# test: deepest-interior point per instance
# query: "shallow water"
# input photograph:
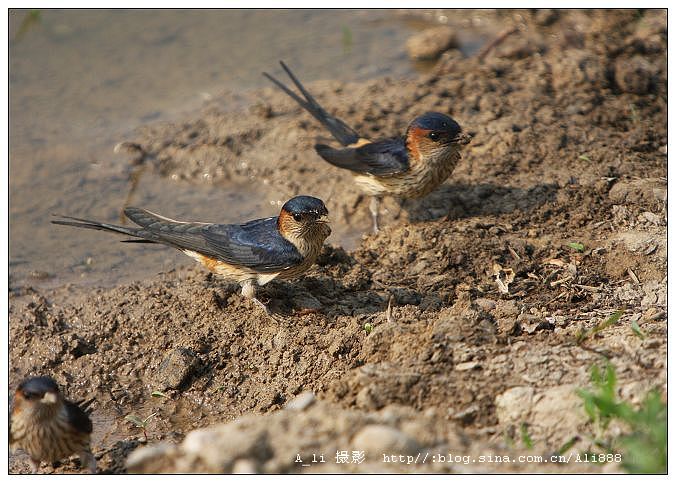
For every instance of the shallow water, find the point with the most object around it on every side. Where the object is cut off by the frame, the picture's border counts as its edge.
(80, 80)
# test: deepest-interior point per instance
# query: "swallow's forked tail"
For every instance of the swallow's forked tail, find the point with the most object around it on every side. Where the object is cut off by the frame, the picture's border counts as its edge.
(343, 133)
(139, 234)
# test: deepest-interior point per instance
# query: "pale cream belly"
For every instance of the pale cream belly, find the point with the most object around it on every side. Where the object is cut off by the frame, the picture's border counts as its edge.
(419, 181)
(242, 274)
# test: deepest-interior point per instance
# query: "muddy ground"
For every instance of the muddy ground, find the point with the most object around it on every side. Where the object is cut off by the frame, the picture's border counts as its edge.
(486, 296)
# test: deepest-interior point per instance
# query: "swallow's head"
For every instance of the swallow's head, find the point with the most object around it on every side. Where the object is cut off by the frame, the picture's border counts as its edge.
(304, 216)
(38, 392)
(434, 132)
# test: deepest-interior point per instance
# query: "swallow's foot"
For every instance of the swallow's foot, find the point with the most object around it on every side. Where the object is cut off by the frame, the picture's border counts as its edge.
(88, 461)
(374, 207)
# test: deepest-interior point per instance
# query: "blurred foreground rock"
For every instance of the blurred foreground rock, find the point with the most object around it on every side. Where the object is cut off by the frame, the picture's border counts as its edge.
(277, 442)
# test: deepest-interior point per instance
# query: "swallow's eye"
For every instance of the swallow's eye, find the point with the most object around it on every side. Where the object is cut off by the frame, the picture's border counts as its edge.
(297, 216)
(30, 395)
(434, 136)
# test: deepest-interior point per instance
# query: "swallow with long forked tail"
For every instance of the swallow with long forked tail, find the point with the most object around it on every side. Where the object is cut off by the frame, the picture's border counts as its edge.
(408, 166)
(251, 254)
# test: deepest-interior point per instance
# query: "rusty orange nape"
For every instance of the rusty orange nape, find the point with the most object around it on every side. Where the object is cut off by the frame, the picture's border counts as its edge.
(417, 141)
(285, 222)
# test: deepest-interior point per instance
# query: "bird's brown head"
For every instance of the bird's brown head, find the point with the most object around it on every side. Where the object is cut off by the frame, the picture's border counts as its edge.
(304, 217)
(433, 133)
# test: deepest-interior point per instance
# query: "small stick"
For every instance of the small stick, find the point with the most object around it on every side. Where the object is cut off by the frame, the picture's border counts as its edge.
(633, 276)
(495, 42)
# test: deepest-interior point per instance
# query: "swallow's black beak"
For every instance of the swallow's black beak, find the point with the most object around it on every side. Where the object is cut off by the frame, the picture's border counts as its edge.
(462, 138)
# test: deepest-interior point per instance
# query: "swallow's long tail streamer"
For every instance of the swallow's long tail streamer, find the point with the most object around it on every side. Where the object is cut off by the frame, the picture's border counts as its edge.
(95, 225)
(343, 133)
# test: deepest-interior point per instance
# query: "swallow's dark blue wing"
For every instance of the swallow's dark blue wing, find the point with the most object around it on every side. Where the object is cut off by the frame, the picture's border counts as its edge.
(379, 158)
(78, 418)
(256, 244)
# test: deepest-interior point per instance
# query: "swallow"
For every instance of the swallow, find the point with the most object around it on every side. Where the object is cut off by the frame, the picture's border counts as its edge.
(408, 166)
(251, 254)
(47, 426)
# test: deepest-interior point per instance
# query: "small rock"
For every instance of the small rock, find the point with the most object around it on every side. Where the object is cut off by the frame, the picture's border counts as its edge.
(556, 411)
(302, 401)
(514, 405)
(508, 326)
(448, 62)
(467, 415)
(377, 439)
(220, 446)
(150, 459)
(367, 399)
(431, 43)
(305, 301)
(403, 296)
(518, 49)
(40, 275)
(467, 366)
(533, 323)
(244, 467)
(175, 370)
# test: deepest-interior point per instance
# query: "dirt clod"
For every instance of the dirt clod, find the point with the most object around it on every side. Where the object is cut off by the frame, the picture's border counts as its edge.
(431, 43)
(175, 370)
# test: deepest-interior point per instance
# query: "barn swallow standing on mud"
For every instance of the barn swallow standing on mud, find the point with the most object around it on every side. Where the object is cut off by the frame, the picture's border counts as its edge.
(47, 426)
(251, 254)
(409, 166)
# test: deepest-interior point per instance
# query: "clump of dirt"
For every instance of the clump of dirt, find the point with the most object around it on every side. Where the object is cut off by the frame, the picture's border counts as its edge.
(465, 310)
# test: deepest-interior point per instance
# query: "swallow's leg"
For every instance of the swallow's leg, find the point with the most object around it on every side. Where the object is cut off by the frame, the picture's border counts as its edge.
(249, 291)
(35, 465)
(374, 206)
(88, 461)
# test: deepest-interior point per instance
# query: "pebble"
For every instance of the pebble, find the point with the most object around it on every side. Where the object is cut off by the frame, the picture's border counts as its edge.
(149, 458)
(219, 447)
(431, 43)
(175, 370)
(467, 366)
(514, 405)
(302, 401)
(244, 467)
(378, 439)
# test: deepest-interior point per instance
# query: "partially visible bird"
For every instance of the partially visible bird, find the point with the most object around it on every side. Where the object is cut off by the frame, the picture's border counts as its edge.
(251, 254)
(408, 166)
(47, 426)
